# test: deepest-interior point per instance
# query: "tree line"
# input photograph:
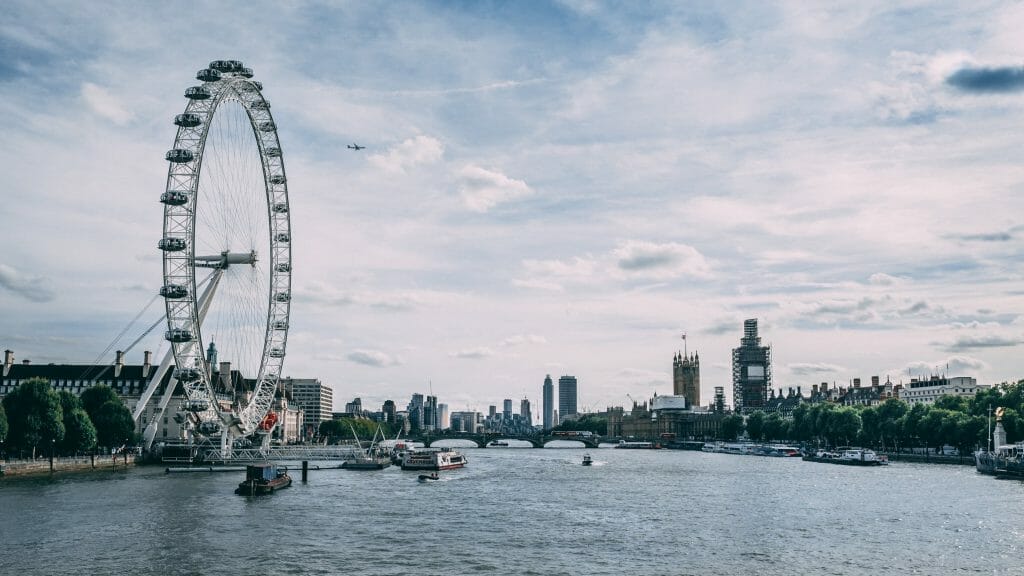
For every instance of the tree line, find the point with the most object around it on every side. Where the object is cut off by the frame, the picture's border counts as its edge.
(892, 425)
(36, 420)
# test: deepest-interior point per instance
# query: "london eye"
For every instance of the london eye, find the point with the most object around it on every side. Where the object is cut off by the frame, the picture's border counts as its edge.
(226, 249)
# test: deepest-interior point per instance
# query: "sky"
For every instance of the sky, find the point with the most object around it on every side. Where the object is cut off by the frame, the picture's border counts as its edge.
(547, 187)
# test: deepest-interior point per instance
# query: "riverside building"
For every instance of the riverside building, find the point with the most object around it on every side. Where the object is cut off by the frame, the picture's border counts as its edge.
(549, 403)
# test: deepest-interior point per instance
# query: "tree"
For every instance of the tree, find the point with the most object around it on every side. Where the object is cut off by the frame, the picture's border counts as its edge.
(3, 424)
(586, 422)
(775, 428)
(843, 424)
(870, 426)
(79, 432)
(971, 432)
(731, 427)
(950, 402)
(34, 416)
(889, 414)
(755, 426)
(114, 424)
(95, 397)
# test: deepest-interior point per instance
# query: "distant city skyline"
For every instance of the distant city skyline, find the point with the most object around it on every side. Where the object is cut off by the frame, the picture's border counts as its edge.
(546, 188)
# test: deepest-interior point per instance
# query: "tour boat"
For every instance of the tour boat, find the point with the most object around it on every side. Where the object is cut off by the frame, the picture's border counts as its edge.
(263, 479)
(432, 459)
(848, 457)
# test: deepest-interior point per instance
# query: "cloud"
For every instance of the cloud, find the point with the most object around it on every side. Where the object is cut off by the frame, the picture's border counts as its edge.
(804, 369)
(519, 339)
(667, 260)
(988, 80)
(34, 288)
(538, 285)
(991, 237)
(373, 358)
(881, 279)
(967, 342)
(105, 104)
(412, 152)
(484, 189)
(473, 353)
(953, 365)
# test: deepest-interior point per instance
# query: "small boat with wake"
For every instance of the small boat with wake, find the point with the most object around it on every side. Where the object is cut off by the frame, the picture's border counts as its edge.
(263, 479)
(587, 460)
(428, 477)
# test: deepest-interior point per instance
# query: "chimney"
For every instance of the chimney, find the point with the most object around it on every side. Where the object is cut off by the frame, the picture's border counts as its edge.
(814, 390)
(856, 382)
(798, 393)
(118, 363)
(8, 361)
(874, 380)
(26, 362)
(147, 363)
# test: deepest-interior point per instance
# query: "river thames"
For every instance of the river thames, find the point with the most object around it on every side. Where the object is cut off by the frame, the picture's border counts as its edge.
(525, 511)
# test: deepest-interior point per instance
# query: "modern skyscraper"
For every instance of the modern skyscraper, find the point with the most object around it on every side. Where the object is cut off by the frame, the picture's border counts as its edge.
(442, 413)
(389, 411)
(567, 396)
(751, 371)
(430, 415)
(524, 411)
(686, 378)
(506, 410)
(416, 412)
(548, 402)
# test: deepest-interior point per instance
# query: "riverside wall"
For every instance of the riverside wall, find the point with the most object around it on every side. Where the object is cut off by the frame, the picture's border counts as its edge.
(62, 465)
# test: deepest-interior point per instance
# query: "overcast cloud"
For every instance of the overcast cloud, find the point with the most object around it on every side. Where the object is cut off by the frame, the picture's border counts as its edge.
(560, 188)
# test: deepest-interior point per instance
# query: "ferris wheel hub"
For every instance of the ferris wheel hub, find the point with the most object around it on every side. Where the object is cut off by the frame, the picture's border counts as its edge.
(225, 259)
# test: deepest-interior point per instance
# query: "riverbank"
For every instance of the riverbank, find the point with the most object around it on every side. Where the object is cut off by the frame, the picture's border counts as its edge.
(42, 466)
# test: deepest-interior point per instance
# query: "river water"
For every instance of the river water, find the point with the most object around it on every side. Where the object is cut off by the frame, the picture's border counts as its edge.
(525, 511)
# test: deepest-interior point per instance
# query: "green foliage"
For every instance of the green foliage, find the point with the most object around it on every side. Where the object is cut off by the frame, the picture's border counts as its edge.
(732, 427)
(954, 403)
(776, 428)
(755, 426)
(34, 416)
(340, 429)
(114, 424)
(843, 425)
(80, 434)
(3, 424)
(588, 422)
(93, 398)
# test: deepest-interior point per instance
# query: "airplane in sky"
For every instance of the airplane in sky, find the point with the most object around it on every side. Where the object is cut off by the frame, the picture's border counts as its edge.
(354, 146)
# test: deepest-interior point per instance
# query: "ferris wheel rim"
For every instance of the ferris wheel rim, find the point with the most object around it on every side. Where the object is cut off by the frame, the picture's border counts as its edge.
(223, 80)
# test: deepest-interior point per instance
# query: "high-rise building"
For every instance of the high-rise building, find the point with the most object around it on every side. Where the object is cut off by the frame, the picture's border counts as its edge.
(524, 411)
(506, 410)
(548, 403)
(686, 378)
(389, 411)
(567, 396)
(431, 420)
(354, 407)
(751, 371)
(415, 409)
(315, 399)
(443, 422)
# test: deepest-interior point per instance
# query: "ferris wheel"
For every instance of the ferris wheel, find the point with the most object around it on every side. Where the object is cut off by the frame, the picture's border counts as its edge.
(226, 254)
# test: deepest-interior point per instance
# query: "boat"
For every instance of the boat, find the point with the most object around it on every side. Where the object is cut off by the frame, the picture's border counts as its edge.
(848, 456)
(372, 458)
(428, 477)
(432, 459)
(1005, 460)
(587, 460)
(637, 445)
(263, 479)
(498, 444)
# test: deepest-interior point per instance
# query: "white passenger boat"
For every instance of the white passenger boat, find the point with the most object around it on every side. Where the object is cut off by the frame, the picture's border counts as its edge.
(432, 459)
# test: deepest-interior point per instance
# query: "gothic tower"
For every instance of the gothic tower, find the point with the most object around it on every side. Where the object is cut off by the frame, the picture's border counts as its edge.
(686, 378)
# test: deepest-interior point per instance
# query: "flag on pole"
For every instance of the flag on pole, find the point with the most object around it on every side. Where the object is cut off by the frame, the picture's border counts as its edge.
(684, 335)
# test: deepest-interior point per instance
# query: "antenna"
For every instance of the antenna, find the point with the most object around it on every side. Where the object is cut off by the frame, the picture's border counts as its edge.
(684, 345)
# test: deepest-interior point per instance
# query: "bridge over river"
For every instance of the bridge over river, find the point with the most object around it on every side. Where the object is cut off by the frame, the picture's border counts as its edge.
(485, 440)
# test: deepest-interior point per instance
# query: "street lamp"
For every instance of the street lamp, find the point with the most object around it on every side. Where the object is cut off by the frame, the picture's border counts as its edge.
(53, 443)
